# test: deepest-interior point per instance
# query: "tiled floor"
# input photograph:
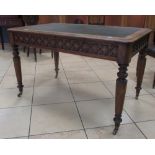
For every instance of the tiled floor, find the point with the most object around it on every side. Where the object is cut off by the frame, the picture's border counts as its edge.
(79, 104)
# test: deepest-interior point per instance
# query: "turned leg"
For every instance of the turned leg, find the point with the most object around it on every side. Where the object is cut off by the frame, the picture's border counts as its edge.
(56, 60)
(121, 84)
(17, 66)
(40, 51)
(140, 71)
(35, 54)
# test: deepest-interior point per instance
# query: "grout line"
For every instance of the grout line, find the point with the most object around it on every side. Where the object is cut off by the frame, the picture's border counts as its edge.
(145, 121)
(69, 130)
(56, 132)
(32, 102)
(54, 103)
(145, 89)
(5, 73)
(136, 124)
(152, 94)
(70, 102)
(85, 82)
(107, 126)
(95, 99)
(80, 118)
(72, 130)
(16, 107)
(22, 137)
(75, 102)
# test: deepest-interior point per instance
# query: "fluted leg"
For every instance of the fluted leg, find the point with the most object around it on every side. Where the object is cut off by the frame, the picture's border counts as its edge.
(17, 66)
(121, 84)
(56, 60)
(140, 71)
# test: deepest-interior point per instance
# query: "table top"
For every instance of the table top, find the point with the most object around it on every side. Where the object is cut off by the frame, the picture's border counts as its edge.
(107, 33)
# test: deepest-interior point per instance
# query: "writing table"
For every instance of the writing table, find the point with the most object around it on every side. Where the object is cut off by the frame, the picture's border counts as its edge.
(113, 43)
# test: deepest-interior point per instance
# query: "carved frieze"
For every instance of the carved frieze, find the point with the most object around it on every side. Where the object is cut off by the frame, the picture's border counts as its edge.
(72, 45)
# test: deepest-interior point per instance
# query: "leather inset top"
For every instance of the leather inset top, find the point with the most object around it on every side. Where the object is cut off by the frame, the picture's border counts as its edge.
(85, 29)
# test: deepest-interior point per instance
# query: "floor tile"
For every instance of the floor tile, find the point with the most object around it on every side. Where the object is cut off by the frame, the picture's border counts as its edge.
(98, 113)
(82, 77)
(131, 91)
(147, 86)
(45, 58)
(62, 135)
(27, 69)
(1, 77)
(89, 91)
(147, 78)
(89, 59)
(148, 128)
(11, 81)
(55, 118)
(47, 69)
(76, 66)
(54, 94)
(142, 109)
(29, 60)
(2, 72)
(148, 81)
(106, 74)
(42, 80)
(150, 62)
(126, 131)
(14, 122)
(70, 58)
(8, 97)
(98, 64)
(4, 64)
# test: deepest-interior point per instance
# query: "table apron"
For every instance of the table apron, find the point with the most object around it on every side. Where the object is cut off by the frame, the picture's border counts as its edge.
(79, 46)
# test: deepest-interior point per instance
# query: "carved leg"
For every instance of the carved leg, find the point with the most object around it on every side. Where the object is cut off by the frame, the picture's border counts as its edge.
(56, 60)
(140, 71)
(35, 54)
(17, 66)
(121, 84)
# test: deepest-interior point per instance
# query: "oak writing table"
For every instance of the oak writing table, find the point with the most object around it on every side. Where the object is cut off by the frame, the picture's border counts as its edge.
(113, 43)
